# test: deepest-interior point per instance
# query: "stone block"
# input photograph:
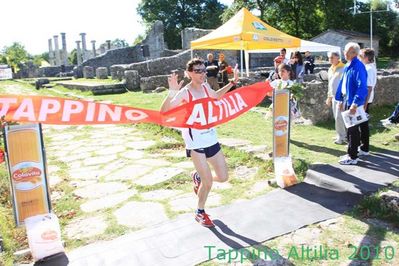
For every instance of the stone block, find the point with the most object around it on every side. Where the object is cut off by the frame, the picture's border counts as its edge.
(149, 84)
(88, 72)
(118, 72)
(102, 73)
(132, 79)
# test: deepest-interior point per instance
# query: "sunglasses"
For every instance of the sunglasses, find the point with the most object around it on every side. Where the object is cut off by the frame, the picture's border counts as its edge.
(199, 70)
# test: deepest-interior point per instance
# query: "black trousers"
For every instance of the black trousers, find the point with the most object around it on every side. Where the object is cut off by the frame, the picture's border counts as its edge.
(365, 133)
(353, 135)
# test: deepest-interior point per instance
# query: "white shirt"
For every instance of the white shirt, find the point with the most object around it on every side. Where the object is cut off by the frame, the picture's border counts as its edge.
(343, 88)
(371, 79)
(198, 138)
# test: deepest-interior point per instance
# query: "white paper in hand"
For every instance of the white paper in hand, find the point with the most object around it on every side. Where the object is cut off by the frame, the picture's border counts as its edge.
(352, 120)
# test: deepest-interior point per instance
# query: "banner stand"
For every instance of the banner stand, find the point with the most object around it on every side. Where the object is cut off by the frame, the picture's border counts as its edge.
(283, 170)
(26, 163)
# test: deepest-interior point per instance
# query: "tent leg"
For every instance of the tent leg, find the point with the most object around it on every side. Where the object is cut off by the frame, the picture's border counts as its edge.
(242, 65)
(247, 62)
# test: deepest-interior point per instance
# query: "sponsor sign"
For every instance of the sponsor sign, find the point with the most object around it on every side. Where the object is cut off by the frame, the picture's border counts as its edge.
(26, 165)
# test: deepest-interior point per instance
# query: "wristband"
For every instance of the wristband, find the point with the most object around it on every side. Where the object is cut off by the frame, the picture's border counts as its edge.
(172, 93)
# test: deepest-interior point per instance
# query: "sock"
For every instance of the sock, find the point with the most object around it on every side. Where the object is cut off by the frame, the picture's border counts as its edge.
(200, 211)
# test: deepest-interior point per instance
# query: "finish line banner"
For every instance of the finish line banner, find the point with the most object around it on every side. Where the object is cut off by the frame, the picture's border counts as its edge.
(201, 113)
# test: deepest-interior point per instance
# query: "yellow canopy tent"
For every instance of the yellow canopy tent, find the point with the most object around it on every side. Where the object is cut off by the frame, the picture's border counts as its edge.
(245, 32)
(248, 33)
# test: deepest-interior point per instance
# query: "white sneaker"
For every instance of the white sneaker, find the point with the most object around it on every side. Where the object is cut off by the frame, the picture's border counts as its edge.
(340, 142)
(360, 152)
(346, 160)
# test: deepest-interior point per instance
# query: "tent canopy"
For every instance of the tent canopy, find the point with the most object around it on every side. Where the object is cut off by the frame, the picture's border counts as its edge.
(245, 31)
(248, 33)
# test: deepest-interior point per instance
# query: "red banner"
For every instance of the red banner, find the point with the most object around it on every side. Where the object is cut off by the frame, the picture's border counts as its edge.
(202, 113)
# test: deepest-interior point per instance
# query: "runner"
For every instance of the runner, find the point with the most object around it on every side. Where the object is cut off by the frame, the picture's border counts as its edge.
(201, 145)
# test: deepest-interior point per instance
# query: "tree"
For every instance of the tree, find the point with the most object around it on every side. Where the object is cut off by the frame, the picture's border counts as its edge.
(73, 57)
(179, 14)
(138, 39)
(306, 20)
(15, 54)
(120, 43)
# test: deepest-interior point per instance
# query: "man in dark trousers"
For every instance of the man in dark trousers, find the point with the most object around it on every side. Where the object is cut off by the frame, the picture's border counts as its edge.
(351, 94)
(212, 70)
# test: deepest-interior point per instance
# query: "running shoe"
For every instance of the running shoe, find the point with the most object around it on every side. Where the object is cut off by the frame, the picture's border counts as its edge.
(204, 220)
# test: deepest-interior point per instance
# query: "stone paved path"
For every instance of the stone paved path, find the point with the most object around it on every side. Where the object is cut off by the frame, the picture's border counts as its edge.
(105, 165)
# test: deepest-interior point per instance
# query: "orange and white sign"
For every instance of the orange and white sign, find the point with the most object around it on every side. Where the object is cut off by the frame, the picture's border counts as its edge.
(25, 159)
(281, 123)
(283, 170)
(201, 114)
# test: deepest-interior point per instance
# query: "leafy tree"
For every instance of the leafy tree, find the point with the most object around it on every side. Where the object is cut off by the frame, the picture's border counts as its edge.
(305, 20)
(73, 57)
(120, 43)
(179, 14)
(15, 54)
(138, 39)
(237, 6)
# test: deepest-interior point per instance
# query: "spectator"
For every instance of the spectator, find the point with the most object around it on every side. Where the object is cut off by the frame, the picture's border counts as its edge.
(367, 57)
(309, 63)
(280, 59)
(223, 70)
(351, 94)
(393, 119)
(212, 70)
(334, 76)
(297, 67)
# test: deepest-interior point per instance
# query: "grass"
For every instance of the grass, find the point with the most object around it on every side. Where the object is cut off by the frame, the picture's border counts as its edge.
(309, 144)
(383, 62)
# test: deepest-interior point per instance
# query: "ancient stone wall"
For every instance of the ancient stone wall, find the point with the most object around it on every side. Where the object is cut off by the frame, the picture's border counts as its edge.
(313, 105)
(191, 34)
(127, 55)
(52, 71)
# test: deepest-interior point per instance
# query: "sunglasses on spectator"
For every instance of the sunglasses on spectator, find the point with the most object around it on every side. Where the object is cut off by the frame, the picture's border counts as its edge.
(199, 70)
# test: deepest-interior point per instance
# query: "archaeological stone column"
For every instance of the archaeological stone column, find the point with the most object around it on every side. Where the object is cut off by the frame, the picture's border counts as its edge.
(84, 53)
(78, 53)
(51, 52)
(64, 49)
(57, 51)
(93, 45)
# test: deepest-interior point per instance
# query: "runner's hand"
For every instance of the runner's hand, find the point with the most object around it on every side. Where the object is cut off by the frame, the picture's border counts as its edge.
(174, 85)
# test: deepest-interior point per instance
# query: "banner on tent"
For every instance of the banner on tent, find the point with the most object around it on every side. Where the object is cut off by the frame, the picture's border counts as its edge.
(202, 113)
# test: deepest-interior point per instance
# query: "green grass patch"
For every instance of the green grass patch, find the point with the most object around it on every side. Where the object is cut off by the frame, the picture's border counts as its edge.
(384, 62)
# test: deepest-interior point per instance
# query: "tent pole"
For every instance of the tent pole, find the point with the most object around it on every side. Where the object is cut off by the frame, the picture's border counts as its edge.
(242, 65)
(247, 62)
(191, 53)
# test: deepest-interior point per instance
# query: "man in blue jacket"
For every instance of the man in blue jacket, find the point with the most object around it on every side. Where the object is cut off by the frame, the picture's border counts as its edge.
(352, 93)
